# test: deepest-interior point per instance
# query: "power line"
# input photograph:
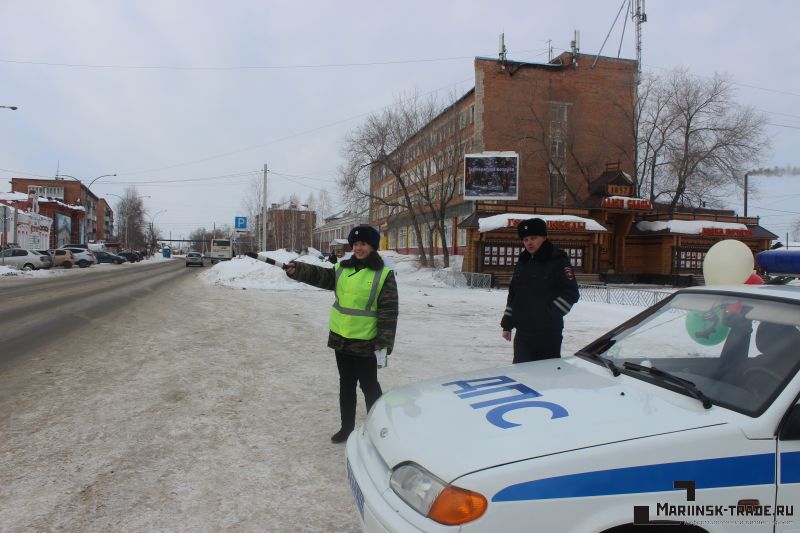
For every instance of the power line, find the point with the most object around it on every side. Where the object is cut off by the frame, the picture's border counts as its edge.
(783, 125)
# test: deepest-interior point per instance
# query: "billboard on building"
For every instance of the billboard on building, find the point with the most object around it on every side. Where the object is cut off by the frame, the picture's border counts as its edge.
(63, 230)
(491, 176)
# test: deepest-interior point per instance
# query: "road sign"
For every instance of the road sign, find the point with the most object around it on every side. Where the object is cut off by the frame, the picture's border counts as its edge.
(240, 223)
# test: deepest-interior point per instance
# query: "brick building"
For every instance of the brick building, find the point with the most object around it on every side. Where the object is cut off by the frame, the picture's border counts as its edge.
(569, 125)
(565, 119)
(94, 217)
(289, 227)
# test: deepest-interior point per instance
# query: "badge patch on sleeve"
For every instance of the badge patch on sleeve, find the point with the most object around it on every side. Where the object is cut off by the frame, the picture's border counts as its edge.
(568, 273)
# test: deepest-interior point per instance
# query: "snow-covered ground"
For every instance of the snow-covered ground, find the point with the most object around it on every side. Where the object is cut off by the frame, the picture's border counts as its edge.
(209, 405)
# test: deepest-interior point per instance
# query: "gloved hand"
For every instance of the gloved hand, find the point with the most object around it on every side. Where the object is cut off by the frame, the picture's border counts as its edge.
(381, 358)
(252, 254)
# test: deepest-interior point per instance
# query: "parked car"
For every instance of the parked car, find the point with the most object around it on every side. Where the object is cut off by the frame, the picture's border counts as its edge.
(132, 257)
(194, 258)
(48, 255)
(688, 414)
(22, 259)
(83, 256)
(107, 257)
(62, 258)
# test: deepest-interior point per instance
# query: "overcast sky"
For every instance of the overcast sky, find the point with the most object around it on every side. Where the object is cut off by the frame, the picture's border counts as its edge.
(188, 99)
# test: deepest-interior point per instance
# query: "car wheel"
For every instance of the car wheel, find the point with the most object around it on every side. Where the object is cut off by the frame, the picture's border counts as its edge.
(83, 263)
(27, 267)
(66, 264)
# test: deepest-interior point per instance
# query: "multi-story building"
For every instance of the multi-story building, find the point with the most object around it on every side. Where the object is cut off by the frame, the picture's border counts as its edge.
(564, 119)
(94, 224)
(289, 227)
(569, 126)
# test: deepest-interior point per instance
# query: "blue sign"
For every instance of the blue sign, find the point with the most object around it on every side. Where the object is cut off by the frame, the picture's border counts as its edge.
(240, 223)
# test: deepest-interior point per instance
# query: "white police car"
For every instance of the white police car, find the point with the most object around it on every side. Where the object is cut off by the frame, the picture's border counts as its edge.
(688, 414)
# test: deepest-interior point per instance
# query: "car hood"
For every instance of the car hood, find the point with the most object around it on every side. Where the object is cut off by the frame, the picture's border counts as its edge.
(460, 424)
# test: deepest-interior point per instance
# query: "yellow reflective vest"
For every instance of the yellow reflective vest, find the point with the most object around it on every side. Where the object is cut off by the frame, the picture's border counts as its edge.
(354, 312)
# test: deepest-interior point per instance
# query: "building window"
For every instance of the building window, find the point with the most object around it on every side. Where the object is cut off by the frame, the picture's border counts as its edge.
(501, 254)
(684, 260)
(402, 237)
(575, 254)
(47, 192)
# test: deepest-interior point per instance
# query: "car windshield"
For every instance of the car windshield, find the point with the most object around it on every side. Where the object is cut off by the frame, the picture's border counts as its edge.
(738, 351)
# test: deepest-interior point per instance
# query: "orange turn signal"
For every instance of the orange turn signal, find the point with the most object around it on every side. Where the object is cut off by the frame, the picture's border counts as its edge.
(456, 506)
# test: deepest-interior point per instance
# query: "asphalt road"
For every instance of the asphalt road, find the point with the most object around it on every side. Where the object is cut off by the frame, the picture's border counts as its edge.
(173, 405)
(39, 311)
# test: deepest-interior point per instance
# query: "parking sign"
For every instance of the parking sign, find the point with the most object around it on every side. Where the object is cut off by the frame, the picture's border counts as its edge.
(240, 223)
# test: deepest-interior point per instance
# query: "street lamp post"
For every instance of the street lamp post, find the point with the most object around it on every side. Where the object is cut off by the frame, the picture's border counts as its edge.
(85, 202)
(152, 233)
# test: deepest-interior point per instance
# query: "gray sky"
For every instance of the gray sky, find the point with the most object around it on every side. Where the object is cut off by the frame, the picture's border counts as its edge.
(188, 99)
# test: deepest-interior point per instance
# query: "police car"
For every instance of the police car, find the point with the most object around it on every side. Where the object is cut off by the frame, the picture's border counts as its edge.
(688, 414)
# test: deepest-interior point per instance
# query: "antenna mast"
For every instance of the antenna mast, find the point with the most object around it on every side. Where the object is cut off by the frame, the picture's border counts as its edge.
(639, 17)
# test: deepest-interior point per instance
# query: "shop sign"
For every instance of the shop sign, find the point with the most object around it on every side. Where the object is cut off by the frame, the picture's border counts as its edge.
(627, 203)
(724, 232)
(560, 225)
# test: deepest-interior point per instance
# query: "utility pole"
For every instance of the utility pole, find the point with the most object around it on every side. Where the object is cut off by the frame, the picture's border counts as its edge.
(264, 212)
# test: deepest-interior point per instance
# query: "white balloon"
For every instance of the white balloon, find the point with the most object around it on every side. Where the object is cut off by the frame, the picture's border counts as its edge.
(729, 262)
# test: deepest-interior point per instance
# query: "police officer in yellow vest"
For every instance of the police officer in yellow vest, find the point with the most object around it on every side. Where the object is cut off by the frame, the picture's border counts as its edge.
(363, 319)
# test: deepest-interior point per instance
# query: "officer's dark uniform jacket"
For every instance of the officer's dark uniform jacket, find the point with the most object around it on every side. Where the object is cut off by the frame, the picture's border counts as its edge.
(387, 304)
(543, 290)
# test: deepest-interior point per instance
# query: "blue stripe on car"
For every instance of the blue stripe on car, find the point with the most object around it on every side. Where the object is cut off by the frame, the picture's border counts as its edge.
(706, 473)
(790, 467)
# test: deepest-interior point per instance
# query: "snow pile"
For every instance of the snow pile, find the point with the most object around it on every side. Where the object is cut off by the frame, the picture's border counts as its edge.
(691, 227)
(246, 273)
(501, 221)
(8, 271)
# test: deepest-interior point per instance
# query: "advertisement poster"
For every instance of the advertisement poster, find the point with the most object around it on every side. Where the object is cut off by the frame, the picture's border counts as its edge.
(63, 229)
(491, 176)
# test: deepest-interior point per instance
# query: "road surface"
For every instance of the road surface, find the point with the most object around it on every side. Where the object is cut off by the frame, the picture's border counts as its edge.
(166, 404)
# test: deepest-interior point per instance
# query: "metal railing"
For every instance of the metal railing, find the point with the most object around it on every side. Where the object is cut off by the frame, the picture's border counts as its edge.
(473, 280)
(622, 295)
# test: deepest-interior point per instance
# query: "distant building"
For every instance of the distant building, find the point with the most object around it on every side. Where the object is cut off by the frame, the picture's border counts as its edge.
(289, 227)
(331, 237)
(97, 219)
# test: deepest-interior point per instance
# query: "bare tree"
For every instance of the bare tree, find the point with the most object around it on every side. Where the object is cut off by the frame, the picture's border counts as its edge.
(440, 169)
(384, 146)
(573, 149)
(253, 203)
(131, 220)
(695, 142)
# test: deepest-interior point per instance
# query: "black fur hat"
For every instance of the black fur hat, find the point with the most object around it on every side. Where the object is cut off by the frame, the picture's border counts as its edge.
(365, 233)
(532, 227)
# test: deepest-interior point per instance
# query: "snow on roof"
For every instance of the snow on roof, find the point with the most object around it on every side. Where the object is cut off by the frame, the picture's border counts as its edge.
(502, 221)
(13, 196)
(340, 241)
(692, 227)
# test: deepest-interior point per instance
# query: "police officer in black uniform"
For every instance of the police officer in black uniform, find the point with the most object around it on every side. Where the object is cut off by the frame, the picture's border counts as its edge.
(543, 290)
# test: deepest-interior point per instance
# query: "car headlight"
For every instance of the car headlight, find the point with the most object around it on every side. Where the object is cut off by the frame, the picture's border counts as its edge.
(432, 497)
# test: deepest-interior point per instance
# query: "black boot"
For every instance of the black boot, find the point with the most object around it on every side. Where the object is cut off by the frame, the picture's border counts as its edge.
(341, 435)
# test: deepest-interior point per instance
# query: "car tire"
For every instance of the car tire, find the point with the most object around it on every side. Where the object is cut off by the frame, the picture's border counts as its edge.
(66, 264)
(27, 267)
(83, 263)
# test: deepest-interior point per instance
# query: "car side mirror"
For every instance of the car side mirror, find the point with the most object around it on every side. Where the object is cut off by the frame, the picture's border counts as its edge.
(790, 429)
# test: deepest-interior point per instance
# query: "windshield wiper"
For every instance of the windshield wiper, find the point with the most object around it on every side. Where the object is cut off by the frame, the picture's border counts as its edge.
(685, 384)
(608, 363)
